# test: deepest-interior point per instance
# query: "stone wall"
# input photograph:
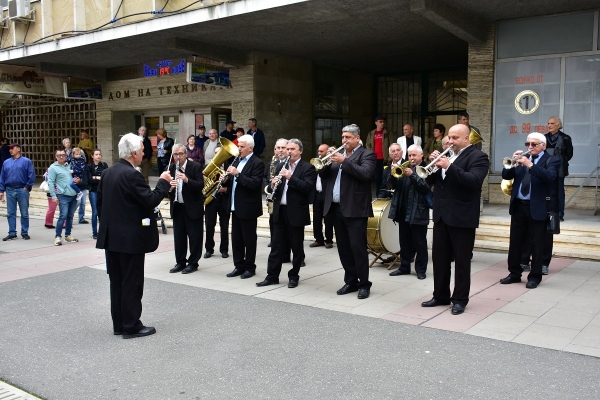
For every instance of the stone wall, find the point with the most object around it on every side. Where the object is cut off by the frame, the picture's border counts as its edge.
(362, 100)
(481, 91)
(283, 88)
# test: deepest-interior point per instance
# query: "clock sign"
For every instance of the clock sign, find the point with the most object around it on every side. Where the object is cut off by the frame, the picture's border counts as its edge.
(527, 102)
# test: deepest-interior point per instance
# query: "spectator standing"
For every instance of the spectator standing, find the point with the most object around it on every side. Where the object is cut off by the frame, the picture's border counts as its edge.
(229, 133)
(94, 174)
(559, 144)
(16, 180)
(435, 143)
(145, 166)
(201, 138)
(87, 145)
(59, 183)
(238, 133)
(258, 136)
(210, 145)
(378, 140)
(163, 147)
(194, 153)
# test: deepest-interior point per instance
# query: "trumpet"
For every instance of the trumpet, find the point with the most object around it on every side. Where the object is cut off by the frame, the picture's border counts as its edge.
(509, 163)
(430, 168)
(319, 163)
(271, 196)
(397, 171)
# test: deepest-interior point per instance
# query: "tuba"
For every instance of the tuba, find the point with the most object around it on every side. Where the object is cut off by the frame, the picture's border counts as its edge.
(213, 169)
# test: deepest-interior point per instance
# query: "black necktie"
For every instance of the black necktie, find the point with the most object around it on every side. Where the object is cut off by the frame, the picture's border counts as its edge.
(526, 182)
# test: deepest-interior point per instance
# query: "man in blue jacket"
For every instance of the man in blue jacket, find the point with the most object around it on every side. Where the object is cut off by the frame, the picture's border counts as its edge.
(533, 195)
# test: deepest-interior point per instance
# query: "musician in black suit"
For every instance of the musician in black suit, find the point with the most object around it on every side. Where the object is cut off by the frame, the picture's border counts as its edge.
(533, 196)
(318, 205)
(293, 184)
(456, 211)
(187, 210)
(348, 199)
(127, 231)
(279, 156)
(245, 203)
(218, 206)
(408, 208)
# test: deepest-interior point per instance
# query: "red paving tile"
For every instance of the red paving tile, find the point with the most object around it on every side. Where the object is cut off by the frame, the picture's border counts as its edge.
(456, 323)
(501, 292)
(415, 310)
(484, 306)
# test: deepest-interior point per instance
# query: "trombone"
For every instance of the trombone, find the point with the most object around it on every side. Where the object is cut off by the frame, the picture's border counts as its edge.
(319, 163)
(509, 163)
(397, 171)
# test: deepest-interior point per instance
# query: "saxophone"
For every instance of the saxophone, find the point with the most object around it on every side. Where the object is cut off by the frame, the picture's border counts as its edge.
(271, 175)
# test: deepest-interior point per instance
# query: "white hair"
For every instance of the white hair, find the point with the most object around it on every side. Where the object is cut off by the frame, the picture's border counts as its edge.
(538, 136)
(557, 120)
(394, 144)
(129, 142)
(415, 147)
(178, 146)
(247, 139)
(281, 140)
(66, 140)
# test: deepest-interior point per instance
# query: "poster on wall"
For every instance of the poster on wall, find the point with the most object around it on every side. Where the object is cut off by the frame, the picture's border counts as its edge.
(24, 80)
(208, 74)
(527, 93)
(83, 90)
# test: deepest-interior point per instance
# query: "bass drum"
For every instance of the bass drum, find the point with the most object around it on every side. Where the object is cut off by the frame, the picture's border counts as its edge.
(383, 236)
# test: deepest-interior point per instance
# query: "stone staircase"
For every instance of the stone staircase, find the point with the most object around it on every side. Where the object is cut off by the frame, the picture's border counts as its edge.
(579, 238)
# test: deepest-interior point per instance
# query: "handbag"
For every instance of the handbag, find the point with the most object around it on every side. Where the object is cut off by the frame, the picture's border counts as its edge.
(553, 223)
(44, 186)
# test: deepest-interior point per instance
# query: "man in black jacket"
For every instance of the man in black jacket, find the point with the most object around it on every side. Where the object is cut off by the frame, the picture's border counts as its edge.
(408, 208)
(559, 144)
(127, 231)
(293, 187)
(348, 199)
(258, 136)
(458, 182)
(186, 209)
(245, 202)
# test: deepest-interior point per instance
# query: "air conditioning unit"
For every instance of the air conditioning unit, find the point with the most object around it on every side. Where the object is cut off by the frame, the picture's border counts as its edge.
(18, 9)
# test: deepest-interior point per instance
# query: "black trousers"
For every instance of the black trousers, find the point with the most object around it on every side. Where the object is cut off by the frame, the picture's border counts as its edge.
(294, 236)
(126, 273)
(285, 243)
(318, 206)
(351, 237)
(522, 228)
(451, 242)
(212, 209)
(378, 175)
(162, 163)
(243, 242)
(413, 237)
(548, 247)
(185, 227)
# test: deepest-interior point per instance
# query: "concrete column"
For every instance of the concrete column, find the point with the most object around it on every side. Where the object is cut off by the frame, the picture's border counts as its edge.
(79, 15)
(46, 17)
(110, 152)
(480, 91)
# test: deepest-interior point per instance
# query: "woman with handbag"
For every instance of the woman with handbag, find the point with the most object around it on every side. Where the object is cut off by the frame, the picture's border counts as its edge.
(51, 206)
(94, 175)
(163, 148)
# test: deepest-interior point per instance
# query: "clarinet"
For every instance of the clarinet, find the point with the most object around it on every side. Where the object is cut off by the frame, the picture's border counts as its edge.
(286, 165)
(177, 187)
(234, 164)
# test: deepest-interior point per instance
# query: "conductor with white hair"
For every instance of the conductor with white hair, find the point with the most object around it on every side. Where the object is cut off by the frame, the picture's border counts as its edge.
(534, 181)
(127, 231)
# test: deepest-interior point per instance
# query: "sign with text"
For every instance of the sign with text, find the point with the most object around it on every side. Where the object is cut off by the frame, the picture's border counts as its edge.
(148, 70)
(208, 74)
(527, 93)
(24, 80)
(83, 90)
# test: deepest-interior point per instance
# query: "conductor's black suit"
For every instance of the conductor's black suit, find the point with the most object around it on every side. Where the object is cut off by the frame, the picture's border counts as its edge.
(127, 231)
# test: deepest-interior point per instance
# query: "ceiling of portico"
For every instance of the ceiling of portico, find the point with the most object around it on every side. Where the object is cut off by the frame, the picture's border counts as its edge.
(378, 36)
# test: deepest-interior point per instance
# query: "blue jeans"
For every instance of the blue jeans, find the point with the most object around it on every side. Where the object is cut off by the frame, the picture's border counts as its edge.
(93, 200)
(20, 196)
(67, 205)
(82, 206)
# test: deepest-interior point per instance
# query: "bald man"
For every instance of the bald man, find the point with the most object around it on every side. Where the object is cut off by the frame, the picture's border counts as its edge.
(458, 182)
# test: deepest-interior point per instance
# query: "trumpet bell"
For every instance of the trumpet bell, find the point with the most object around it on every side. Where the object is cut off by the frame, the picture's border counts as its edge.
(397, 171)
(422, 172)
(317, 163)
(506, 186)
(475, 137)
(507, 162)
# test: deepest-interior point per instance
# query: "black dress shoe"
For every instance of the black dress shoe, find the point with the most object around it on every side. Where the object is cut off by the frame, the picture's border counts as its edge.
(304, 264)
(224, 254)
(421, 276)
(267, 282)
(189, 269)
(269, 245)
(177, 268)
(363, 293)
(145, 331)
(117, 333)
(434, 303)
(531, 284)
(510, 279)
(388, 260)
(235, 272)
(247, 274)
(347, 289)
(398, 272)
(208, 254)
(293, 283)
(458, 309)
(50, 226)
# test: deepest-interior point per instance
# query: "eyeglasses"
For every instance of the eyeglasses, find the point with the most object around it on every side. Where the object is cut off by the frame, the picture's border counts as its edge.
(61, 155)
(179, 154)
(527, 144)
